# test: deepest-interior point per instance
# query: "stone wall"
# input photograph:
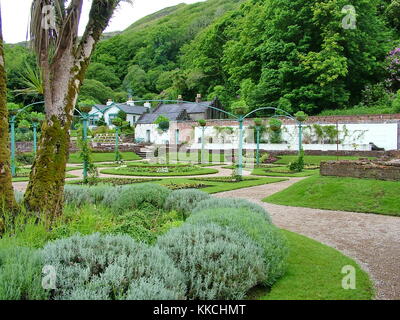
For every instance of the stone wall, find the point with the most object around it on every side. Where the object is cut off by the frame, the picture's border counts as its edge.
(389, 171)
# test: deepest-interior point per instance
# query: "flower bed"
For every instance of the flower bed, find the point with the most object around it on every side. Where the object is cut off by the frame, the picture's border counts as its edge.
(113, 181)
(160, 170)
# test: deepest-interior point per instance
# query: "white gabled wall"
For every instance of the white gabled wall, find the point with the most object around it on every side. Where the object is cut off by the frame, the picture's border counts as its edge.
(155, 136)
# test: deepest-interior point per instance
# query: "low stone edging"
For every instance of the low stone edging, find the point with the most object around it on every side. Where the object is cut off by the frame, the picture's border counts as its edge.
(379, 170)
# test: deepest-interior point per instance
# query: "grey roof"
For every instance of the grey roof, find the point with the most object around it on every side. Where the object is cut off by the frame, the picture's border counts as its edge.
(101, 107)
(132, 109)
(124, 107)
(149, 118)
(174, 111)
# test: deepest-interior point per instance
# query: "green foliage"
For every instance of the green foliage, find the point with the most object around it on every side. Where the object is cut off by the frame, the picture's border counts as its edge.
(78, 196)
(240, 107)
(264, 158)
(184, 201)
(104, 74)
(139, 196)
(220, 203)
(101, 267)
(87, 159)
(296, 55)
(163, 123)
(253, 223)
(21, 274)
(145, 56)
(275, 124)
(396, 102)
(95, 90)
(25, 158)
(218, 263)
(298, 165)
(301, 116)
(202, 122)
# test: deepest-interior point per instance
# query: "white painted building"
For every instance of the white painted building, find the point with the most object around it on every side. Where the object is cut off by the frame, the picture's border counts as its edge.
(352, 137)
(110, 111)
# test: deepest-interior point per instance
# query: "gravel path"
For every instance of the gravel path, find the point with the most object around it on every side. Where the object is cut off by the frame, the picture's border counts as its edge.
(372, 240)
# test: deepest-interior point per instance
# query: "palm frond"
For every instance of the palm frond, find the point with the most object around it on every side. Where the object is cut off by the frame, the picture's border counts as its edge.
(32, 80)
(47, 38)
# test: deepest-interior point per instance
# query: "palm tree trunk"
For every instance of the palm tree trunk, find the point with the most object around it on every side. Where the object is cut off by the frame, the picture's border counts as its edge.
(63, 70)
(7, 200)
(45, 189)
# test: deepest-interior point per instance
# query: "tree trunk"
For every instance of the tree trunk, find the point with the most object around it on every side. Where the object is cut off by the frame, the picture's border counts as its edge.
(45, 189)
(7, 200)
(46, 184)
(63, 72)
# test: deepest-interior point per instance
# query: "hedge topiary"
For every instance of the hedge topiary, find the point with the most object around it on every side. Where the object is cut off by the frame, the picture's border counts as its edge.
(218, 263)
(266, 235)
(184, 201)
(21, 274)
(105, 267)
(216, 203)
(141, 195)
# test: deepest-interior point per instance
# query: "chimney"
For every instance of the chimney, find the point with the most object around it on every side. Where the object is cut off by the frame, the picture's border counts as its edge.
(180, 99)
(109, 102)
(198, 98)
(147, 105)
(130, 102)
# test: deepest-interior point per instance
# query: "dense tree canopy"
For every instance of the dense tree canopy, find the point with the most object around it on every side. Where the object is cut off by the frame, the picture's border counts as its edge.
(295, 55)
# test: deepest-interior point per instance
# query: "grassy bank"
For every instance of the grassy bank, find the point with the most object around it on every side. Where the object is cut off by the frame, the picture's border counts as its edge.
(314, 273)
(345, 194)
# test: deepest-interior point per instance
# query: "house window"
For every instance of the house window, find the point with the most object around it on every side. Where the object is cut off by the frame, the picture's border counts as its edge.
(111, 117)
(93, 120)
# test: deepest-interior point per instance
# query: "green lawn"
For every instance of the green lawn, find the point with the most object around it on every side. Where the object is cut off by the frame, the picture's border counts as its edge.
(313, 159)
(282, 172)
(131, 172)
(346, 194)
(314, 273)
(104, 157)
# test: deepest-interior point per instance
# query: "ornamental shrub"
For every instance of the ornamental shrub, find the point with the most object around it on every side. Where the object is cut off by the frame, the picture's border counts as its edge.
(106, 267)
(21, 274)
(139, 196)
(298, 165)
(218, 263)
(266, 235)
(216, 203)
(184, 201)
(80, 195)
(112, 195)
(150, 289)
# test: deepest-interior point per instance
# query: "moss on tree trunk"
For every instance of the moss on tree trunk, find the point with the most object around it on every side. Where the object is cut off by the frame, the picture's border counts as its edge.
(7, 200)
(45, 192)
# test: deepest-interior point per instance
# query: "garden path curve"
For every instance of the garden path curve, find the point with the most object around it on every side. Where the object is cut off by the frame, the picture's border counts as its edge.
(372, 240)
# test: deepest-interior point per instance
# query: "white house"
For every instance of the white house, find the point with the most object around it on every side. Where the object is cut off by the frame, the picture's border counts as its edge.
(111, 109)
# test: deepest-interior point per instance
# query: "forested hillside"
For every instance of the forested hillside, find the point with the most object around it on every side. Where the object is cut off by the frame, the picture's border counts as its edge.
(295, 55)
